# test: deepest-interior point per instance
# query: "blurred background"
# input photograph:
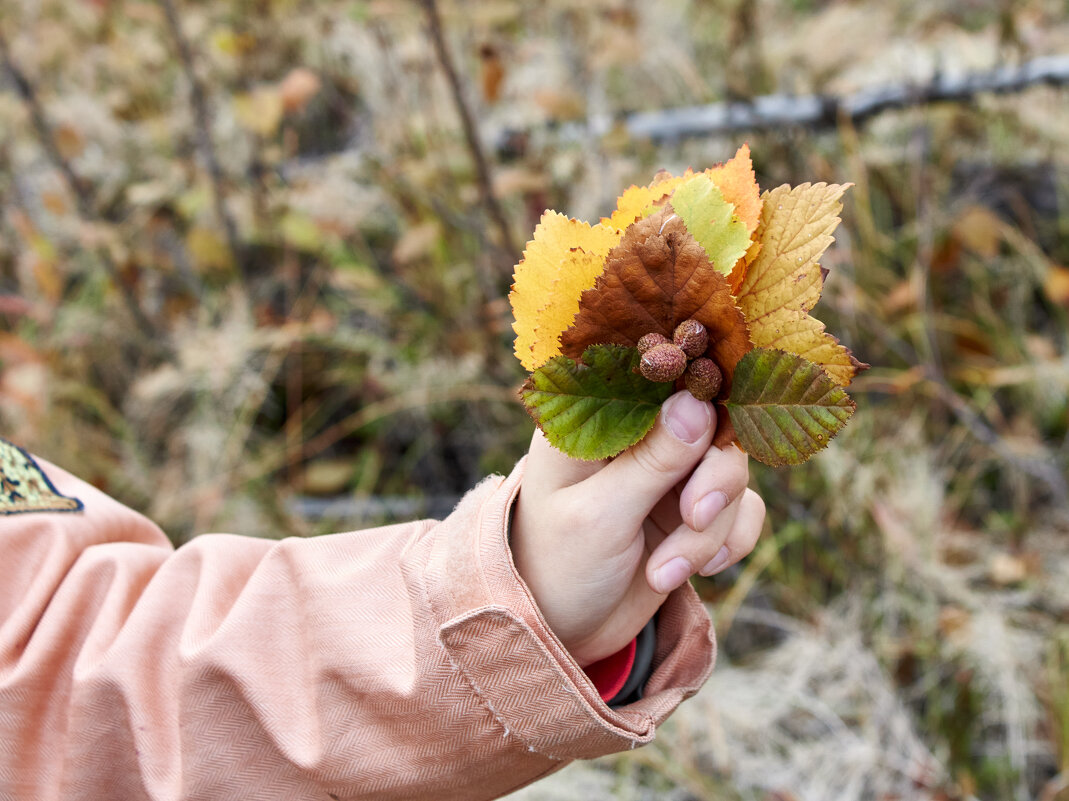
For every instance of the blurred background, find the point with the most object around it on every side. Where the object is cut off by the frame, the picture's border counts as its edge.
(254, 260)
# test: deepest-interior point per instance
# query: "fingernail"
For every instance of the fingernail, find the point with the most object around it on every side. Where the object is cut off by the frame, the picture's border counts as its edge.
(671, 574)
(707, 508)
(717, 563)
(686, 417)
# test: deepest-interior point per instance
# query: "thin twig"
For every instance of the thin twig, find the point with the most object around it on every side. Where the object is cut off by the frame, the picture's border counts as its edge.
(471, 134)
(28, 93)
(83, 196)
(1044, 469)
(202, 123)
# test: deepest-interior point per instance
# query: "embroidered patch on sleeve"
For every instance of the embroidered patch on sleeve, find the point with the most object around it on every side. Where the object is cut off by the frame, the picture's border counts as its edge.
(25, 488)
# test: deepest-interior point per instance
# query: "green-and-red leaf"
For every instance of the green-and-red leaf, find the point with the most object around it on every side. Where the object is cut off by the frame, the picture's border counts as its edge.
(784, 408)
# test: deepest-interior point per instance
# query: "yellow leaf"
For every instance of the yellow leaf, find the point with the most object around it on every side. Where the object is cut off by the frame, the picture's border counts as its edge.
(300, 231)
(563, 250)
(806, 337)
(260, 111)
(233, 44)
(48, 277)
(209, 250)
(784, 281)
(579, 273)
(638, 202)
(738, 274)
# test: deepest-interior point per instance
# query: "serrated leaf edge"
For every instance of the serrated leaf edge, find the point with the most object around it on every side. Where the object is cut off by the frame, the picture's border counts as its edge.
(744, 425)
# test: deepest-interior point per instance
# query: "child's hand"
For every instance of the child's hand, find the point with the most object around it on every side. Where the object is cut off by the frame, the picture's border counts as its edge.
(600, 544)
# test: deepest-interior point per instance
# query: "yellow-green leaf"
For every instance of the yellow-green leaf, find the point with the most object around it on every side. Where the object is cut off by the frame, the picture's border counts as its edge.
(712, 221)
(595, 408)
(259, 111)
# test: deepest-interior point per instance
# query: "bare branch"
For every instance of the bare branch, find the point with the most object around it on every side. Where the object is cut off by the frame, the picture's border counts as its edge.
(471, 134)
(83, 195)
(822, 111)
(202, 124)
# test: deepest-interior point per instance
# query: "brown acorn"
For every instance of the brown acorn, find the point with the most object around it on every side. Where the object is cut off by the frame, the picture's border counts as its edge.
(664, 362)
(651, 340)
(703, 379)
(692, 337)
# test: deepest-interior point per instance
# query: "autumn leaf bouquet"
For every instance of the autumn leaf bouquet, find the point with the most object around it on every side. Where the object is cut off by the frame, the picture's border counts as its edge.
(697, 281)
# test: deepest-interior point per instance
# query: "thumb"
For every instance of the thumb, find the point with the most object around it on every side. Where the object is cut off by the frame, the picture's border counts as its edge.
(638, 478)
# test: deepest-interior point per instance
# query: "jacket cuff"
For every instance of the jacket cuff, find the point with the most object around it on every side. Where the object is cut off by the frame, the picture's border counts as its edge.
(493, 633)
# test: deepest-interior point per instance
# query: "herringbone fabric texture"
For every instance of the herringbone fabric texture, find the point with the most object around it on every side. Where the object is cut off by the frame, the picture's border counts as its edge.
(405, 662)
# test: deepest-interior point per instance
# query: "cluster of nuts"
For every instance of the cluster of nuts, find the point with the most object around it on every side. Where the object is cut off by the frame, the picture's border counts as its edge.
(664, 360)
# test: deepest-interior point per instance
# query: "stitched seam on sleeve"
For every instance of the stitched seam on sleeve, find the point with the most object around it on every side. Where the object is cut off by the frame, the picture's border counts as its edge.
(485, 701)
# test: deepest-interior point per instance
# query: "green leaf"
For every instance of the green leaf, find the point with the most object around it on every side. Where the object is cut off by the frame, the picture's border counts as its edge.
(784, 408)
(597, 407)
(712, 221)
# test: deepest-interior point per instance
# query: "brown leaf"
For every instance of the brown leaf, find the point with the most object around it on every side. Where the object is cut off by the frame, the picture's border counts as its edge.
(979, 230)
(657, 277)
(55, 202)
(298, 88)
(491, 72)
(561, 104)
(416, 243)
(1005, 569)
(725, 431)
(70, 142)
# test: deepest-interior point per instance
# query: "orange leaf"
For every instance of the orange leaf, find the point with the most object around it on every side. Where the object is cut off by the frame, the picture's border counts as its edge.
(784, 282)
(737, 183)
(657, 277)
(738, 273)
(564, 258)
(491, 72)
(1057, 284)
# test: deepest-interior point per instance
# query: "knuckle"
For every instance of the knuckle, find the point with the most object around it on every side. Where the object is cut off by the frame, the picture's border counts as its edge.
(731, 468)
(655, 461)
(753, 519)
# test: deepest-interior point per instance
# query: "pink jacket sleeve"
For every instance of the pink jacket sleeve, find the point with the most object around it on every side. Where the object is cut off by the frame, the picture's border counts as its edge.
(400, 662)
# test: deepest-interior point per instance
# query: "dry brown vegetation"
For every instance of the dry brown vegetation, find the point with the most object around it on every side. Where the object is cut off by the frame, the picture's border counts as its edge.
(251, 255)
